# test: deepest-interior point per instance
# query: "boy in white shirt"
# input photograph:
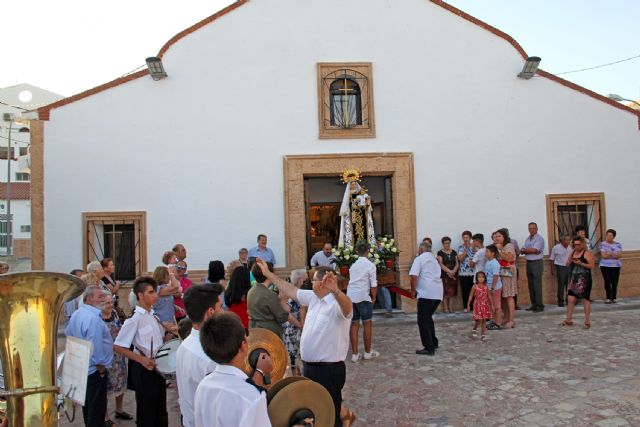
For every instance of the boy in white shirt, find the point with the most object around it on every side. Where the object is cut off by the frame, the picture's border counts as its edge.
(227, 397)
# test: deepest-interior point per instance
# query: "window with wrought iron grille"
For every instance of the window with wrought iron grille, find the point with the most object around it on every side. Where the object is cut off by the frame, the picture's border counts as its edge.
(567, 211)
(117, 235)
(345, 100)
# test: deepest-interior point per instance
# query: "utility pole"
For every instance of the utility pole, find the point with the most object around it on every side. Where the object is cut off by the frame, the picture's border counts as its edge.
(8, 117)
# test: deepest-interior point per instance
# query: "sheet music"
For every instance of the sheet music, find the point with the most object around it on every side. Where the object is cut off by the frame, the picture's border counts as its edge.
(75, 369)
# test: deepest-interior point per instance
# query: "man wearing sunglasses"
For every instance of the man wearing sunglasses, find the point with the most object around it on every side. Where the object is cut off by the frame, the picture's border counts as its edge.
(325, 337)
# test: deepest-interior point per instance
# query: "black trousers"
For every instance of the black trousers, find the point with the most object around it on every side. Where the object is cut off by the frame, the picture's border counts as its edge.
(535, 269)
(426, 308)
(466, 283)
(151, 397)
(562, 276)
(611, 275)
(331, 376)
(95, 401)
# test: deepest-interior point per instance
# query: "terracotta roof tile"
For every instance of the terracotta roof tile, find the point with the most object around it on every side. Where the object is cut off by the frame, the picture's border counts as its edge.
(44, 112)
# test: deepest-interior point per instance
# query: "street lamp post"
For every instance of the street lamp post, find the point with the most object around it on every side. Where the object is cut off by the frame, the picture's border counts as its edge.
(9, 157)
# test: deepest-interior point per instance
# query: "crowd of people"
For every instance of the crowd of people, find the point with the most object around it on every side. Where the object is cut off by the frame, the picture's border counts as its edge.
(317, 322)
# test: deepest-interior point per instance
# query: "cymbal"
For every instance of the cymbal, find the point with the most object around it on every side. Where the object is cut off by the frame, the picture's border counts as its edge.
(302, 395)
(260, 338)
(276, 387)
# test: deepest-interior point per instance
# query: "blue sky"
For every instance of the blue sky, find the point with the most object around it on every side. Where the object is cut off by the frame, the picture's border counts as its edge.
(572, 34)
(72, 45)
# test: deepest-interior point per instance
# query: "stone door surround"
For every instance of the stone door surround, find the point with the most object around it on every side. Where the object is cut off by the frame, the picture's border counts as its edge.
(397, 165)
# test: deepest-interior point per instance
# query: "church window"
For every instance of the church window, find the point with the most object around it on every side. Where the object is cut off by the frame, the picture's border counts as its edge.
(345, 100)
(346, 103)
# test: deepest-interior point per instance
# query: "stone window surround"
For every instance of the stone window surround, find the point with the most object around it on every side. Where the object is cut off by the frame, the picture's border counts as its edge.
(397, 165)
(324, 102)
(573, 198)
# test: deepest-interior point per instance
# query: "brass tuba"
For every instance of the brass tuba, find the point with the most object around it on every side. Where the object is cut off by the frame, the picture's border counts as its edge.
(30, 306)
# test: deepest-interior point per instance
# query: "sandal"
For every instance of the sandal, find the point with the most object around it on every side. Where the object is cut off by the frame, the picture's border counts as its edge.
(474, 333)
(109, 423)
(566, 323)
(483, 337)
(586, 326)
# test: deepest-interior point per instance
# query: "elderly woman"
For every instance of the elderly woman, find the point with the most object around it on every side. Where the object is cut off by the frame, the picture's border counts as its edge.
(448, 259)
(95, 268)
(293, 327)
(508, 276)
(185, 283)
(118, 371)
(580, 264)
(610, 265)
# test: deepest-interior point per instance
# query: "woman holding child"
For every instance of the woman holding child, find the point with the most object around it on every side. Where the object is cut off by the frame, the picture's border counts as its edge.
(507, 260)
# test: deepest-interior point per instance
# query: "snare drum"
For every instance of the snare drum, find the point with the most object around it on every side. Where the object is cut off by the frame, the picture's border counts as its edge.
(167, 359)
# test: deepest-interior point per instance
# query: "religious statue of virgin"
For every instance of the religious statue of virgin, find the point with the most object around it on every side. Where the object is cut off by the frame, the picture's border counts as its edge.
(356, 220)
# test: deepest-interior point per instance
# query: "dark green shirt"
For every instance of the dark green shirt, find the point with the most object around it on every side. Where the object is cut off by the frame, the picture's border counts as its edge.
(265, 310)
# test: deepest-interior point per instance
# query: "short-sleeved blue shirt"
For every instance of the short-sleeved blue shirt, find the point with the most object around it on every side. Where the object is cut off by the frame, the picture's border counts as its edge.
(492, 268)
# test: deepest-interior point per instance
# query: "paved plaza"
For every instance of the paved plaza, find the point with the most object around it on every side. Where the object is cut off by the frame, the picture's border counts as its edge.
(537, 374)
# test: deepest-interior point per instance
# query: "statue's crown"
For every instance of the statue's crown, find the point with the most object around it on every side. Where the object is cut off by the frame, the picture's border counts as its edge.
(350, 175)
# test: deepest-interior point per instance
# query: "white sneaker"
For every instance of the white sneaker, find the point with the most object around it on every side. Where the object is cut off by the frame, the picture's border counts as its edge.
(371, 355)
(356, 357)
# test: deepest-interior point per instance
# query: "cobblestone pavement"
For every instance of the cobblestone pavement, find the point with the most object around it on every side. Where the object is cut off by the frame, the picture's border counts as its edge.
(538, 374)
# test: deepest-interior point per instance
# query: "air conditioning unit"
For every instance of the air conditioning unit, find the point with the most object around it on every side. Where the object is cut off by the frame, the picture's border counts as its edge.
(7, 117)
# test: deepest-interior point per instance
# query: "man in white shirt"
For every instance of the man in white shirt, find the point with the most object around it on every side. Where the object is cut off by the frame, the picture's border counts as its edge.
(325, 337)
(362, 289)
(479, 258)
(201, 302)
(426, 285)
(559, 255)
(227, 397)
(323, 258)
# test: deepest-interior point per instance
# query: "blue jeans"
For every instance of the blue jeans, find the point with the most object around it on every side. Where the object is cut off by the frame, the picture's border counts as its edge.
(384, 298)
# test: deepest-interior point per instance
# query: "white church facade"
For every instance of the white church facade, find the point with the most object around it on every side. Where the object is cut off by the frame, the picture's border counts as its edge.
(265, 104)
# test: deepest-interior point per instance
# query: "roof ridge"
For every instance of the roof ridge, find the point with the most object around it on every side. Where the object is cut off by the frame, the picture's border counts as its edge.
(44, 112)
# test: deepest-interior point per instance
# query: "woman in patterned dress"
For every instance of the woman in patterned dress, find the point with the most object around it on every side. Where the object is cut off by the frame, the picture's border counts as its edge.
(118, 370)
(293, 328)
(580, 264)
(508, 276)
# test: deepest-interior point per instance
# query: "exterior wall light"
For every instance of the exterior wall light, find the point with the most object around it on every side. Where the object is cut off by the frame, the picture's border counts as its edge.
(156, 69)
(621, 99)
(530, 67)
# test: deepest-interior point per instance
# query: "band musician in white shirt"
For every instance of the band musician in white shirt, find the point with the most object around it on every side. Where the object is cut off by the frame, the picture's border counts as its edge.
(227, 397)
(144, 331)
(325, 337)
(201, 302)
